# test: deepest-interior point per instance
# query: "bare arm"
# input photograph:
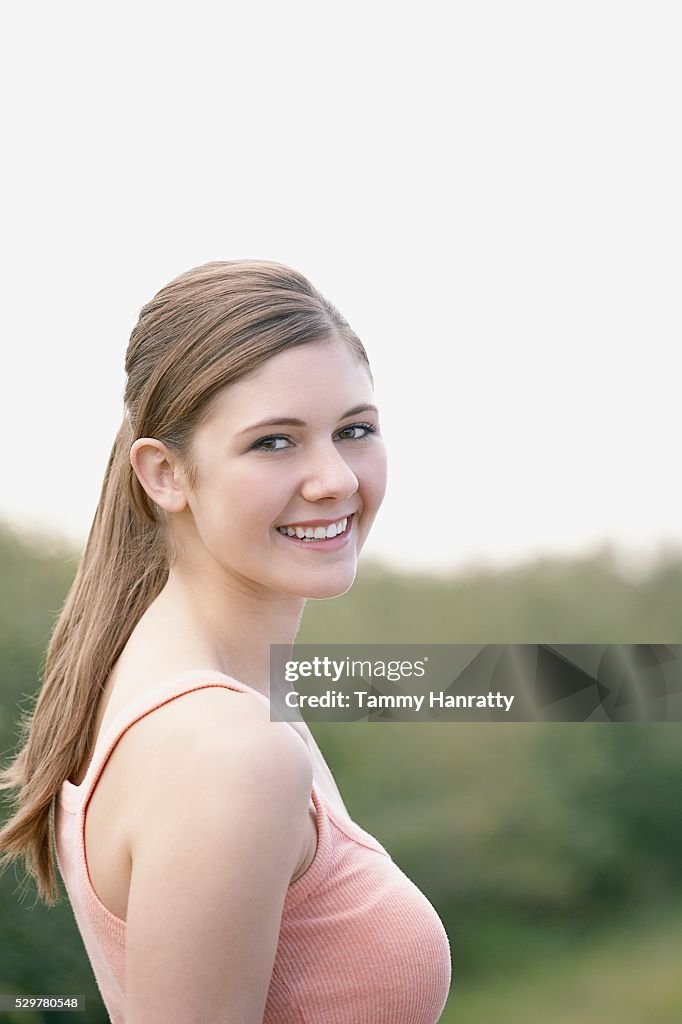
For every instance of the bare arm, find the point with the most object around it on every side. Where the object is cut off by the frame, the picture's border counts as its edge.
(220, 829)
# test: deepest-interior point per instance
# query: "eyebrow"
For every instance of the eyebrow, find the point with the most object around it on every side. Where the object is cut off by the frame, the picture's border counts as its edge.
(291, 421)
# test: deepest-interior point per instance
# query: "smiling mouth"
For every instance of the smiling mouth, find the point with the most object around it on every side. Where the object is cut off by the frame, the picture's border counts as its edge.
(312, 534)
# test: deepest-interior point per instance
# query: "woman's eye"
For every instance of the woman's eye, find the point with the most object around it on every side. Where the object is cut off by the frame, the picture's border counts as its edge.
(272, 444)
(279, 442)
(357, 431)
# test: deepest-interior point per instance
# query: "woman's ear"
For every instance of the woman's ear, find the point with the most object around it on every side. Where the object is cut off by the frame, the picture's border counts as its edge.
(160, 473)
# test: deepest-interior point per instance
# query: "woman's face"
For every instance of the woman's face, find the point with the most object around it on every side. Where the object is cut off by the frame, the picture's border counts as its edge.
(291, 450)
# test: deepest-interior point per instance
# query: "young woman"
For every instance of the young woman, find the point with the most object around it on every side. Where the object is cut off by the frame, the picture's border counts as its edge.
(214, 871)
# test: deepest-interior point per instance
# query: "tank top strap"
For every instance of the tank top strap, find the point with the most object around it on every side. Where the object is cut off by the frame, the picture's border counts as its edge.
(73, 797)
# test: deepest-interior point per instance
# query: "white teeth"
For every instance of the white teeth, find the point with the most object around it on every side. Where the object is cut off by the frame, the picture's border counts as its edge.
(315, 532)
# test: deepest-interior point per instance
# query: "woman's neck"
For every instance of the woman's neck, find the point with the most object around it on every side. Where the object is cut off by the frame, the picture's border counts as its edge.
(226, 623)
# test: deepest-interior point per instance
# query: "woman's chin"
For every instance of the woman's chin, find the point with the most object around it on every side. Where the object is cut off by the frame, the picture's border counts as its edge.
(324, 584)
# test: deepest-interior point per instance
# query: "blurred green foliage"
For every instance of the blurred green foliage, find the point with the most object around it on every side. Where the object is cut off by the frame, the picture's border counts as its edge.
(551, 851)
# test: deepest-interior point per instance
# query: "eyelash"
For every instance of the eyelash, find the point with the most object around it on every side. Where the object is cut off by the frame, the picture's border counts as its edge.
(369, 429)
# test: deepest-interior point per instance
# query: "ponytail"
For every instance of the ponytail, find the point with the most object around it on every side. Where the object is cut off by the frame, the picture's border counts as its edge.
(122, 570)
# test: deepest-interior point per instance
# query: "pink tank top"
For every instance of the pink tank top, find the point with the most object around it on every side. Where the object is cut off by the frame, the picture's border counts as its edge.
(358, 943)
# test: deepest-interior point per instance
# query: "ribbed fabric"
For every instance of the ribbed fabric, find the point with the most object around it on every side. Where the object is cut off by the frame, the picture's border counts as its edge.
(358, 943)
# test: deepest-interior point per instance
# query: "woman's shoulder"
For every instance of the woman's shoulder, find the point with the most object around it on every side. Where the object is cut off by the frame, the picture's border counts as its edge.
(206, 744)
(189, 706)
(201, 734)
(209, 722)
(151, 705)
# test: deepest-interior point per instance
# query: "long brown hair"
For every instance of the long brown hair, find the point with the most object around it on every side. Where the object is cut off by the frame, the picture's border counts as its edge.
(203, 331)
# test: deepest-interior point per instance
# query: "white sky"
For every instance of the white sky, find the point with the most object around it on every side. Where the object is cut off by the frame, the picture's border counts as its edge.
(489, 192)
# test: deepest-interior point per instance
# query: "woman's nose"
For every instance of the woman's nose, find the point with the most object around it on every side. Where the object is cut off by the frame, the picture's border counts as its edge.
(328, 475)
